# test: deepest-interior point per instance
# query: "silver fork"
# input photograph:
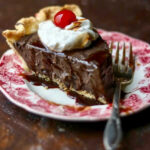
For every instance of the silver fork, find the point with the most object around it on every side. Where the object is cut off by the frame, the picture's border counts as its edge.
(123, 71)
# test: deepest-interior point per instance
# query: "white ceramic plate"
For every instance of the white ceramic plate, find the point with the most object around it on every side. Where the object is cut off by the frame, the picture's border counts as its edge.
(54, 103)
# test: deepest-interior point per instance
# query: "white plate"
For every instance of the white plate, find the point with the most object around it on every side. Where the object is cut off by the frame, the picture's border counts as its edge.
(55, 103)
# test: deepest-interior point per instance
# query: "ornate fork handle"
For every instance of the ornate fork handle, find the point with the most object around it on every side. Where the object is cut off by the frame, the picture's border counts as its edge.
(113, 130)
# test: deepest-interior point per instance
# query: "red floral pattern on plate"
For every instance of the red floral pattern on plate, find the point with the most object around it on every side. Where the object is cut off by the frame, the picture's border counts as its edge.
(15, 89)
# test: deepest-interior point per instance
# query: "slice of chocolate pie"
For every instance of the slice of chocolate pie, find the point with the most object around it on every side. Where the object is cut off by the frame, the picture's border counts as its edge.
(67, 51)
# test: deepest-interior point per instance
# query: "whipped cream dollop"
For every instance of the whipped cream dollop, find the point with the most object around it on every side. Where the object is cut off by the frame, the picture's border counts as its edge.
(77, 35)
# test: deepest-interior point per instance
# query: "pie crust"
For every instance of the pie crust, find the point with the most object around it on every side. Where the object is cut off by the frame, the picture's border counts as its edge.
(29, 25)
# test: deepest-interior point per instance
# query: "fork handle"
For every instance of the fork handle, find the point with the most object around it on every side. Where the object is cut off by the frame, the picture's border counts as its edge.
(113, 129)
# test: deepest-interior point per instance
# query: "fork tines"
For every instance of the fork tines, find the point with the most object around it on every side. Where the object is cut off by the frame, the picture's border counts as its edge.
(125, 64)
(131, 57)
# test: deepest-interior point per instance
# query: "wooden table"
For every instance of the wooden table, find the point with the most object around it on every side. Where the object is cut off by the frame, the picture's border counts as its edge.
(20, 130)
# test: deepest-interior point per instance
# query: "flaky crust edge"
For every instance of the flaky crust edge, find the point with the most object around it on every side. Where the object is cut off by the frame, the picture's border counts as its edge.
(29, 25)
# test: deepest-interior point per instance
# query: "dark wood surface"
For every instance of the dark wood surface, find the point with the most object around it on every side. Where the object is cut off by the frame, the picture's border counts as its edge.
(20, 130)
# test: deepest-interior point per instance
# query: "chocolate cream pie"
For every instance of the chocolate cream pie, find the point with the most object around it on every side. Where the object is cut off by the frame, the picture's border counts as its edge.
(60, 46)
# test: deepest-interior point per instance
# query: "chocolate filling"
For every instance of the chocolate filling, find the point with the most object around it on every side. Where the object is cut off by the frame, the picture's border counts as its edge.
(89, 70)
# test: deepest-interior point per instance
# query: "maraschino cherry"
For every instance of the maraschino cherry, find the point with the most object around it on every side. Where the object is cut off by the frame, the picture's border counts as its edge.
(64, 18)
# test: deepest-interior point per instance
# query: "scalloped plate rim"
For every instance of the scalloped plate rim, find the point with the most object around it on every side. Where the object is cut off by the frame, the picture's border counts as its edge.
(65, 118)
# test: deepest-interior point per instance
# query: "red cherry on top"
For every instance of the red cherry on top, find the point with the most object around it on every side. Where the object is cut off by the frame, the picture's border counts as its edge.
(64, 18)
